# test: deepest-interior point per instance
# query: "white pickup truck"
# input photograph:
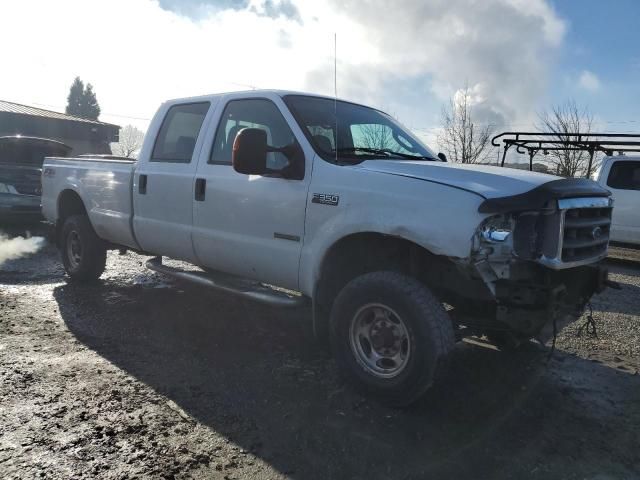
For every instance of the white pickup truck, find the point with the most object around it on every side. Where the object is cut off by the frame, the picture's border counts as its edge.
(343, 208)
(621, 175)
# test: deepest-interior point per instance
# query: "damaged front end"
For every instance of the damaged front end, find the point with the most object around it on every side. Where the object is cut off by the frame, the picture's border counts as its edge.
(540, 266)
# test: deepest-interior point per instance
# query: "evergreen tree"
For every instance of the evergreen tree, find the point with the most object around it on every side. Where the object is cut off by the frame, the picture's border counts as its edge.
(91, 107)
(82, 101)
(75, 98)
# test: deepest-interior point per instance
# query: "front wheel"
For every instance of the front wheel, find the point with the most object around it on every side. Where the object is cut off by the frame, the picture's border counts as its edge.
(391, 336)
(83, 253)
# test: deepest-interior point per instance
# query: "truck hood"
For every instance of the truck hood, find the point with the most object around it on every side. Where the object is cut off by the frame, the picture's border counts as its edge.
(485, 180)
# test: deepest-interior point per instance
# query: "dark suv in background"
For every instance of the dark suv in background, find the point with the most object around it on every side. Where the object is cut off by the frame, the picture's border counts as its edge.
(20, 173)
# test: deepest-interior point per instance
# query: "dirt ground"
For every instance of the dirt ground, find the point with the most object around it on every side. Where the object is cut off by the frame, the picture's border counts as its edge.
(142, 377)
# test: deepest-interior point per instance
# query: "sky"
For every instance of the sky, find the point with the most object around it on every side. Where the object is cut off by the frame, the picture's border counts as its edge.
(407, 57)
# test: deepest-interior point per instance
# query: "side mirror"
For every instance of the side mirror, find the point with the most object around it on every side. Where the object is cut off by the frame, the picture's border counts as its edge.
(442, 157)
(250, 149)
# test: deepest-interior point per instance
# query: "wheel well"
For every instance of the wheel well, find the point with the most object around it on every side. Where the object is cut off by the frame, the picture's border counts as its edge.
(362, 253)
(69, 203)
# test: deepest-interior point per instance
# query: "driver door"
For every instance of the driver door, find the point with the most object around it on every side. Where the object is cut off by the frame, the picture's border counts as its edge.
(249, 225)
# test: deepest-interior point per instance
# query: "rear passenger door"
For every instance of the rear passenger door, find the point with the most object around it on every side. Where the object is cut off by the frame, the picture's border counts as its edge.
(624, 182)
(163, 187)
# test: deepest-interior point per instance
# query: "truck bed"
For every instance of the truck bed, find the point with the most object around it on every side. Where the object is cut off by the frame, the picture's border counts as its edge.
(105, 185)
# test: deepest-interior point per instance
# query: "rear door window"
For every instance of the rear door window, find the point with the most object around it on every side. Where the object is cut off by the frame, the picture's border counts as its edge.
(624, 175)
(179, 132)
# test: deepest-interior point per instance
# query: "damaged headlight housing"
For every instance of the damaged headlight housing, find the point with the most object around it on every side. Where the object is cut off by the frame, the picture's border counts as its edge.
(520, 234)
(493, 247)
(495, 231)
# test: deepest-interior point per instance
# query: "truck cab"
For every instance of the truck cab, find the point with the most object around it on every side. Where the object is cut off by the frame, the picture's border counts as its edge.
(621, 175)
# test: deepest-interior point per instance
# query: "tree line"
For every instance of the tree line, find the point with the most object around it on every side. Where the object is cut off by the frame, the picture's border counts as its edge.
(464, 140)
(83, 102)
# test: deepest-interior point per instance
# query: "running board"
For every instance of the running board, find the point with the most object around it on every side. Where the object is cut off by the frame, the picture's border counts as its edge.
(240, 287)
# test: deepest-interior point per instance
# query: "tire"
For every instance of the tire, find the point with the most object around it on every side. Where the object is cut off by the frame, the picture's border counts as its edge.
(84, 255)
(391, 336)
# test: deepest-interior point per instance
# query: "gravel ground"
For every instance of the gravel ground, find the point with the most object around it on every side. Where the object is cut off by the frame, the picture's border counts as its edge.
(141, 377)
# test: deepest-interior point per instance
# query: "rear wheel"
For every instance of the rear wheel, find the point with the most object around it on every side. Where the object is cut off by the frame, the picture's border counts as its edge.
(84, 254)
(391, 336)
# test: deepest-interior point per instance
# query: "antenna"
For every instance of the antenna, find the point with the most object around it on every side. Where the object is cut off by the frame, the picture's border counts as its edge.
(335, 89)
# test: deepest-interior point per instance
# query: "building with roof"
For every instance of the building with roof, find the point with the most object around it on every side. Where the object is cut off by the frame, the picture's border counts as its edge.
(81, 134)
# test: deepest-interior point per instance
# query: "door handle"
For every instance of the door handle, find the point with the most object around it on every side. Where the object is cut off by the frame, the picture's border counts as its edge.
(142, 184)
(201, 188)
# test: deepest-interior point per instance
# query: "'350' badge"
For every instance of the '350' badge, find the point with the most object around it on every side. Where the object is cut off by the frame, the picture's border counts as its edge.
(326, 199)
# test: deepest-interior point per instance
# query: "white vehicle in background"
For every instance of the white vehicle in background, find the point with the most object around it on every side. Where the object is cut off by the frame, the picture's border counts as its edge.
(341, 204)
(620, 174)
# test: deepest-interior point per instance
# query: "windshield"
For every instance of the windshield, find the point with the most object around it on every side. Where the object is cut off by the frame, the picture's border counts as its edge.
(363, 133)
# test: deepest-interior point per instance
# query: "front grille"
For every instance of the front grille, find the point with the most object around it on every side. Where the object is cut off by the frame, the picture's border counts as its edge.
(575, 234)
(586, 233)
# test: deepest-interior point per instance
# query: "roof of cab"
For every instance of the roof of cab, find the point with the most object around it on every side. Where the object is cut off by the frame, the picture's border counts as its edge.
(257, 92)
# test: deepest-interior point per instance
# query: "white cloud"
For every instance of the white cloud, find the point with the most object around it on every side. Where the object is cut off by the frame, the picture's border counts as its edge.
(589, 81)
(405, 56)
(503, 48)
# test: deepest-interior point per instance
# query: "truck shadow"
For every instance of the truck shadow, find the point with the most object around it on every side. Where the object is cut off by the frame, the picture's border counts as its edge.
(253, 374)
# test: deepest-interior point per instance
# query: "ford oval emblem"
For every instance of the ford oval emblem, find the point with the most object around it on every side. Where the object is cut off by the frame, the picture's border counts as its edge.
(596, 233)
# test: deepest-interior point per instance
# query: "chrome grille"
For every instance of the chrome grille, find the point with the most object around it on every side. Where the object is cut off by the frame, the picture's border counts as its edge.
(577, 233)
(586, 233)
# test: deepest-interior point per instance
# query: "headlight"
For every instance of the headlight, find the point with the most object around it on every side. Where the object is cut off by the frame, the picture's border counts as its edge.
(494, 238)
(493, 247)
(519, 235)
(496, 229)
(495, 235)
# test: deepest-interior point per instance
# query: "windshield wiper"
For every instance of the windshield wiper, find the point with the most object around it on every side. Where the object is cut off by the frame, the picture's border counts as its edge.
(382, 151)
(375, 151)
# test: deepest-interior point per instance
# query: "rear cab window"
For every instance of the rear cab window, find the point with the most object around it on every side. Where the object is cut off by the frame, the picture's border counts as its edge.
(624, 175)
(179, 132)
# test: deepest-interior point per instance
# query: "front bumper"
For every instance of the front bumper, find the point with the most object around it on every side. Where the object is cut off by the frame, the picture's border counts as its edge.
(532, 307)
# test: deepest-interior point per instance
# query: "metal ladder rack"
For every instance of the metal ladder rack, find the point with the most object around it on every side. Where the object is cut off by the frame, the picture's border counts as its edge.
(534, 142)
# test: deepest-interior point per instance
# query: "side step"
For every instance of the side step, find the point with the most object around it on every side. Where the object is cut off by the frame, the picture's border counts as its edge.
(240, 287)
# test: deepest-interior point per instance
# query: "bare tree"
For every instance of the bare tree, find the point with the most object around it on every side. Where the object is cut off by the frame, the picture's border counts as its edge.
(463, 140)
(566, 120)
(129, 142)
(377, 136)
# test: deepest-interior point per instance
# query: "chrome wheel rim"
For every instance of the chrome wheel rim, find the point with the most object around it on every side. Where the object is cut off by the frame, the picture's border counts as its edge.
(380, 340)
(74, 249)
